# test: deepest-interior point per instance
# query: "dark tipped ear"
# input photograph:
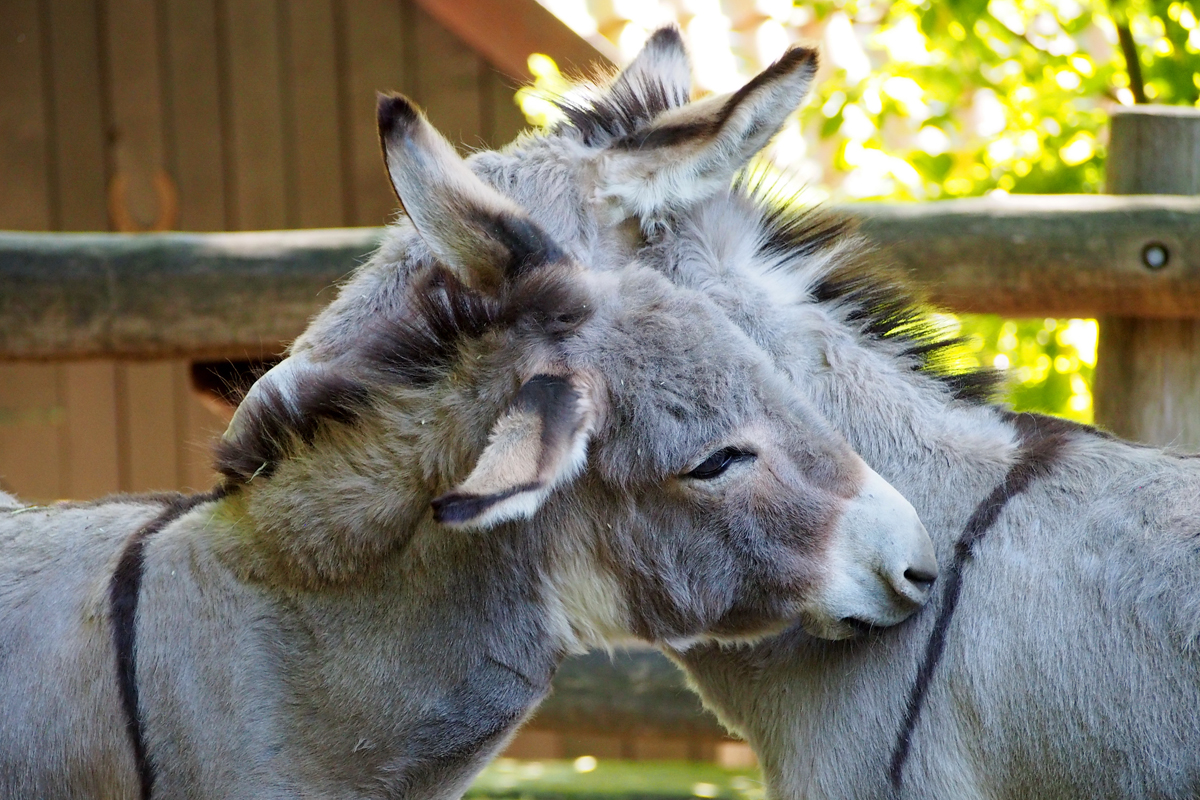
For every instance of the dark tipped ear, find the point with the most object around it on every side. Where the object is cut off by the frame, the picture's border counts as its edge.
(694, 151)
(656, 81)
(284, 410)
(659, 78)
(538, 444)
(467, 224)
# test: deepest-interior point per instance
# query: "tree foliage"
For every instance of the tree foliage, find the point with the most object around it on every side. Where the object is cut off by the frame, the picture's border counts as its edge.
(966, 97)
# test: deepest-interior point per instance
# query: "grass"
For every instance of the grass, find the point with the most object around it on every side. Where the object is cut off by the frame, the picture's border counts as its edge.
(587, 778)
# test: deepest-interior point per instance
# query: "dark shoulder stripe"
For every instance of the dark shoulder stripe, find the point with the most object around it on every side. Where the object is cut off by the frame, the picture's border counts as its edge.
(1041, 440)
(123, 592)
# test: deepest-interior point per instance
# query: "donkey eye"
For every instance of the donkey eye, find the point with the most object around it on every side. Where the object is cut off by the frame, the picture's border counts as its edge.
(718, 462)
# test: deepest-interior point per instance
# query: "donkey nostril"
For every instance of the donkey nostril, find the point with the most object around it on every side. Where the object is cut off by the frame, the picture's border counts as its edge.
(920, 577)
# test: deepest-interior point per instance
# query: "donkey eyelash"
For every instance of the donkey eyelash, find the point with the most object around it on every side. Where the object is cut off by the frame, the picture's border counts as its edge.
(715, 465)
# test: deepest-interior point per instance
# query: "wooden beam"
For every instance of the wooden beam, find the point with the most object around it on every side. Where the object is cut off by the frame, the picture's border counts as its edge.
(506, 32)
(1046, 255)
(156, 295)
(230, 294)
(1147, 387)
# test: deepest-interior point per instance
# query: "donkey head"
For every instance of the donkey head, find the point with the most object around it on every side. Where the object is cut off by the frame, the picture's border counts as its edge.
(680, 487)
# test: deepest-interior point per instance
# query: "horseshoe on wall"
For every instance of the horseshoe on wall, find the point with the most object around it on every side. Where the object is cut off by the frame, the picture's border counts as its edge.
(168, 205)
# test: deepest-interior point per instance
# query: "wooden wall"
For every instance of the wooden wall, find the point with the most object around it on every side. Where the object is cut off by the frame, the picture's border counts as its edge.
(196, 115)
(255, 114)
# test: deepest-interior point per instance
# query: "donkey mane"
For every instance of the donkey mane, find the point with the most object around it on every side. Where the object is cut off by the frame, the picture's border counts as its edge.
(872, 297)
(887, 309)
(277, 427)
(420, 346)
(416, 345)
(598, 120)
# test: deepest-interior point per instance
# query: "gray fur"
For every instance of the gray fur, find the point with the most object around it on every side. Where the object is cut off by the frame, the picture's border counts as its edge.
(312, 631)
(1072, 668)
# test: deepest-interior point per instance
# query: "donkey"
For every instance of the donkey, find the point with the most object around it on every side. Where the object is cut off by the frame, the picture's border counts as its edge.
(1061, 655)
(501, 457)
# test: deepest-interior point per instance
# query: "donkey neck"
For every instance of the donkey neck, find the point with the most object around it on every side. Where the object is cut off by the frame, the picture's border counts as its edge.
(943, 454)
(418, 671)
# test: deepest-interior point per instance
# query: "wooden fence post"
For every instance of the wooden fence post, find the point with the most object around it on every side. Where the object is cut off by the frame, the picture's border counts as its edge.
(1148, 370)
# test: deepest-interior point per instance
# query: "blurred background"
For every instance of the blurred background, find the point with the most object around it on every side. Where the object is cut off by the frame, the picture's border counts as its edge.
(230, 115)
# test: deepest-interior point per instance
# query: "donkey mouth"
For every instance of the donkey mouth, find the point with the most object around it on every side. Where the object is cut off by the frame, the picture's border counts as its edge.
(860, 627)
(839, 628)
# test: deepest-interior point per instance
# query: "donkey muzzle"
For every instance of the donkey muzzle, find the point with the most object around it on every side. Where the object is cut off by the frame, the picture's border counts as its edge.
(881, 565)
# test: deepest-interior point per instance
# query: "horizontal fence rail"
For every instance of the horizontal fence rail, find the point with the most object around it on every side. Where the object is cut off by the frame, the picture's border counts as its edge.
(71, 295)
(238, 294)
(1048, 255)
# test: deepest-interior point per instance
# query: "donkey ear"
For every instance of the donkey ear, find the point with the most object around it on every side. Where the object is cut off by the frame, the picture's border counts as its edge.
(694, 151)
(467, 224)
(658, 79)
(284, 409)
(538, 444)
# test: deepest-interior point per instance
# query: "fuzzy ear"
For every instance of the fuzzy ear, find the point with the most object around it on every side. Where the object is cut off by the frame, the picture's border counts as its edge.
(538, 444)
(658, 79)
(692, 152)
(284, 409)
(467, 224)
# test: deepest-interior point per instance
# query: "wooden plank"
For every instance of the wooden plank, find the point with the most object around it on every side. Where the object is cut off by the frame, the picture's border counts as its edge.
(1047, 255)
(203, 425)
(149, 447)
(1147, 383)
(195, 114)
(1146, 386)
(533, 745)
(503, 118)
(1154, 150)
(505, 32)
(31, 422)
(595, 745)
(256, 114)
(630, 695)
(448, 82)
(25, 201)
(91, 465)
(375, 61)
(660, 748)
(138, 201)
(79, 138)
(155, 295)
(313, 165)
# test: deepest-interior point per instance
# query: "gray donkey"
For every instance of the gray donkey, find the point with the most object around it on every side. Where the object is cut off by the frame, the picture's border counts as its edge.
(1061, 655)
(483, 457)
